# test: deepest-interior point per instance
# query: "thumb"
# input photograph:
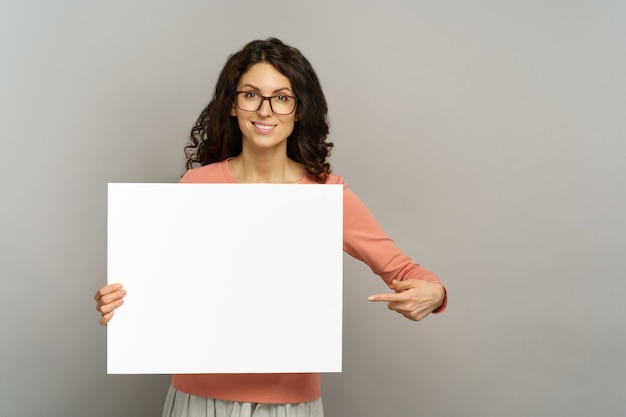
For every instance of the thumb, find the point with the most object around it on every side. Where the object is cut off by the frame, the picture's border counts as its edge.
(400, 285)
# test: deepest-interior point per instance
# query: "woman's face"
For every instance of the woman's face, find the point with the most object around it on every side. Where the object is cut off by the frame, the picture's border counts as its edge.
(263, 129)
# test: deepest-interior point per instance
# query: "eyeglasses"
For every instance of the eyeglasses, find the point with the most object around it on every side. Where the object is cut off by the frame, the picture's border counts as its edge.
(281, 104)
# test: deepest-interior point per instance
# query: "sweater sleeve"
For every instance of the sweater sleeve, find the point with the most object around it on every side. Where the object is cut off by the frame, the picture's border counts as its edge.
(365, 240)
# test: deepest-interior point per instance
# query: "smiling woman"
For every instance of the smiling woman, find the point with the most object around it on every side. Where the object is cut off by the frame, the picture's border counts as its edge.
(267, 123)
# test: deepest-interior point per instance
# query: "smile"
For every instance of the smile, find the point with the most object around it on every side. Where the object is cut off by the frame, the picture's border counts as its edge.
(264, 128)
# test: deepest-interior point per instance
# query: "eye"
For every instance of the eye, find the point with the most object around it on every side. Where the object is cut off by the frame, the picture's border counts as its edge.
(250, 95)
(282, 98)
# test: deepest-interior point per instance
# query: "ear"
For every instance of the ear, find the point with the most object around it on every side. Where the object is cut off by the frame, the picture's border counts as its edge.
(233, 111)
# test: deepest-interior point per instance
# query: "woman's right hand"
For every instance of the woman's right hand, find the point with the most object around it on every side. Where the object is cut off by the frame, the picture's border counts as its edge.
(108, 298)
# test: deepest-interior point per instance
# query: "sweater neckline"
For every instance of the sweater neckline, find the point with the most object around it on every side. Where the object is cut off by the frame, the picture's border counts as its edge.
(230, 178)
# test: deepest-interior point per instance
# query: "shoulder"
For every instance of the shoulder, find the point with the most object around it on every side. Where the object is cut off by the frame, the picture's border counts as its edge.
(338, 179)
(212, 173)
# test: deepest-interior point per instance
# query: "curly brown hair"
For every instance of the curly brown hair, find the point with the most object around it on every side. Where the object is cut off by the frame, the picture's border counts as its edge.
(216, 135)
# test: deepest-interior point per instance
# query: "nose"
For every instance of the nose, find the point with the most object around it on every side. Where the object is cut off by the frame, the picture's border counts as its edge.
(266, 108)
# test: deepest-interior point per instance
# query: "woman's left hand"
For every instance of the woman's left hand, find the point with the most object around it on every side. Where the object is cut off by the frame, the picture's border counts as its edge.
(414, 298)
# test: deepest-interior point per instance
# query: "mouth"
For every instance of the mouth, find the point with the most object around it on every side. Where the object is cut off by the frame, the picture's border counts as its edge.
(263, 127)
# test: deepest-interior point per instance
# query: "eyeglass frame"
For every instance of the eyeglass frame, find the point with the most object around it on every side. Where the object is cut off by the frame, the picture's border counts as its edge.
(269, 100)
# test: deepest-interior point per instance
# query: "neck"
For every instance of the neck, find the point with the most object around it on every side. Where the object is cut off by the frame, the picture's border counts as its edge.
(266, 167)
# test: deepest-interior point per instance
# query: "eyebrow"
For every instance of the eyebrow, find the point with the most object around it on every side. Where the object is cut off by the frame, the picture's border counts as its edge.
(274, 92)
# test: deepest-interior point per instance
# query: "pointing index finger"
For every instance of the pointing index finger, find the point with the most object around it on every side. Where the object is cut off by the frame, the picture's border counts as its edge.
(386, 298)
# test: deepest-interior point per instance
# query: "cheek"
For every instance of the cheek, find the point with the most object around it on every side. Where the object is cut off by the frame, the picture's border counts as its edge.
(289, 125)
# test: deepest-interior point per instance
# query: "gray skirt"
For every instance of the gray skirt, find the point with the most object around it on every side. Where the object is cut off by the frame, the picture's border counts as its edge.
(180, 404)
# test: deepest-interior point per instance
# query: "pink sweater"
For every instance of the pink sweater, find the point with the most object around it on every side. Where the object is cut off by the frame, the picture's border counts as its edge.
(363, 239)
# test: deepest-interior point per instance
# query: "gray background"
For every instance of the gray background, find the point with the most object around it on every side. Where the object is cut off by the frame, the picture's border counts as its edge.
(486, 136)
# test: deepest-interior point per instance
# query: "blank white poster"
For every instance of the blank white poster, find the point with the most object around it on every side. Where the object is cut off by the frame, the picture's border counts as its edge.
(226, 278)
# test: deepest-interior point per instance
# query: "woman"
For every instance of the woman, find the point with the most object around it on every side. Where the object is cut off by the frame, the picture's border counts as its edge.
(267, 124)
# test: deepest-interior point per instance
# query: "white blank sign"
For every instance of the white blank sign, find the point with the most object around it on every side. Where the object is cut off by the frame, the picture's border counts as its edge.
(225, 278)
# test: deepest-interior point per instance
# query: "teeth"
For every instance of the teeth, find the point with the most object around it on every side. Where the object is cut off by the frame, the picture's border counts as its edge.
(264, 127)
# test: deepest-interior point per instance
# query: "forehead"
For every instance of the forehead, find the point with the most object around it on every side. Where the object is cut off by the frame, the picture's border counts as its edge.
(265, 76)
